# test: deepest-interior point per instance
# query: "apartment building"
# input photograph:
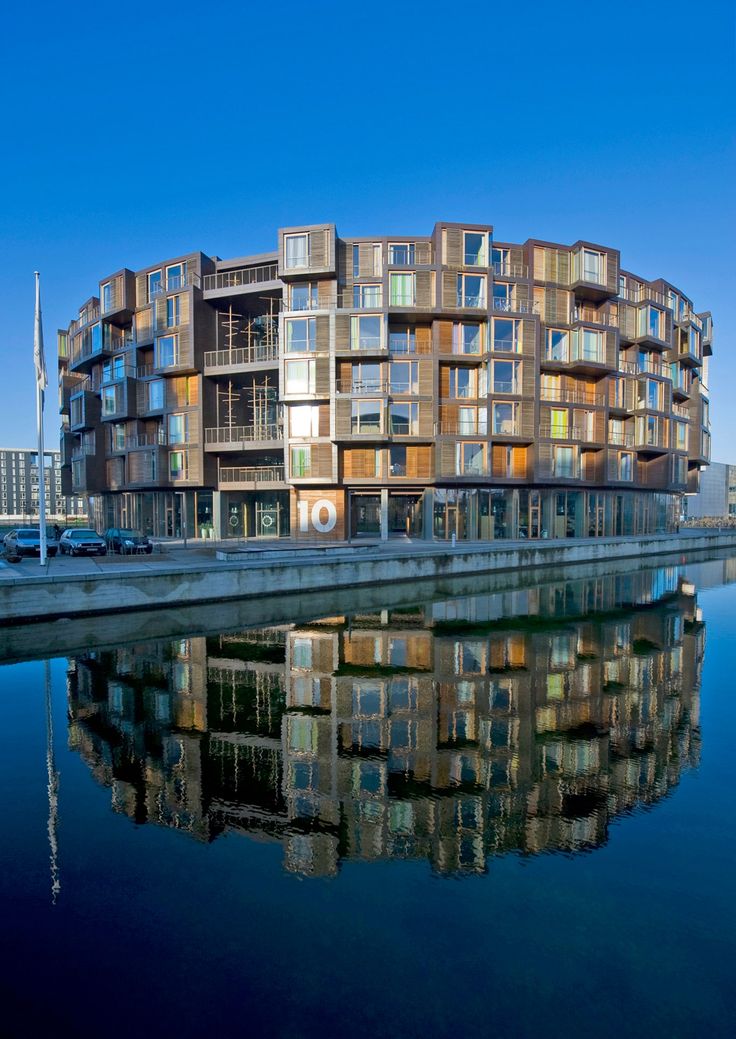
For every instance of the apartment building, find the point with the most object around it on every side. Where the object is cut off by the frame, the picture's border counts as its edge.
(444, 386)
(20, 488)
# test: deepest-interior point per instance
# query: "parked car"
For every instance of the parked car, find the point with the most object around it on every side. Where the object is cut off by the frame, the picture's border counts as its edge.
(26, 541)
(125, 540)
(78, 541)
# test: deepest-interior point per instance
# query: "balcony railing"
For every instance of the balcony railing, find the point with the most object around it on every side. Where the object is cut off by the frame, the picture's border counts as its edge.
(620, 439)
(510, 270)
(594, 317)
(570, 396)
(587, 434)
(237, 475)
(242, 434)
(259, 353)
(241, 277)
(173, 284)
(146, 440)
(509, 306)
(362, 386)
(680, 411)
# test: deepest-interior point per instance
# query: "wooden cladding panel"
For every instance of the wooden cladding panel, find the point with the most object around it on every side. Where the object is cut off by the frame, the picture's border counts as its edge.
(310, 497)
(182, 391)
(321, 461)
(444, 336)
(611, 348)
(424, 289)
(366, 261)
(449, 289)
(342, 331)
(426, 377)
(423, 335)
(453, 242)
(322, 376)
(343, 416)
(529, 337)
(447, 458)
(552, 265)
(528, 379)
(426, 418)
(509, 462)
(360, 463)
(322, 332)
(319, 250)
(419, 461)
(527, 425)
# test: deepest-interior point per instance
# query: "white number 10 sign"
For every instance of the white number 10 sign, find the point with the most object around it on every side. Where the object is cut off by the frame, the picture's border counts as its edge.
(320, 507)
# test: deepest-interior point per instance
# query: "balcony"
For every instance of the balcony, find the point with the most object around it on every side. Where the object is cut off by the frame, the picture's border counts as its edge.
(364, 387)
(243, 478)
(571, 396)
(226, 362)
(243, 279)
(134, 443)
(620, 439)
(591, 316)
(510, 306)
(119, 400)
(507, 269)
(579, 434)
(238, 438)
(84, 407)
(681, 412)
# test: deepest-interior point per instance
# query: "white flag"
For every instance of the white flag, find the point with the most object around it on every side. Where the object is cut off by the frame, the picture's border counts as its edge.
(38, 357)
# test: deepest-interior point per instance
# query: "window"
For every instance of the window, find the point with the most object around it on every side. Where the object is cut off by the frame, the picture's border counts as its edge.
(114, 369)
(502, 296)
(397, 460)
(505, 419)
(366, 332)
(475, 249)
(694, 342)
(367, 297)
(402, 290)
(404, 377)
(593, 267)
(155, 286)
(462, 383)
(471, 290)
(656, 323)
(625, 465)
(301, 461)
(366, 416)
(467, 338)
(299, 376)
(401, 255)
(403, 419)
(472, 421)
(176, 276)
(296, 250)
(681, 436)
(506, 376)
(500, 261)
(402, 341)
(366, 378)
(173, 311)
(559, 423)
(300, 334)
(650, 394)
(303, 296)
(107, 297)
(167, 351)
(470, 459)
(109, 400)
(589, 346)
(178, 465)
(155, 394)
(583, 425)
(506, 337)
(117, 437)
(178, 429)
(564, 461)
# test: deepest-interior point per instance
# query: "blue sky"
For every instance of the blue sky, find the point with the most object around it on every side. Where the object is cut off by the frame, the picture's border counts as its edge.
(139, 132)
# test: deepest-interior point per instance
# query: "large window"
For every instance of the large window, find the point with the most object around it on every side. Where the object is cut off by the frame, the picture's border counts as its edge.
(471, 290)
(176, 276)
(466, 382)
(402, 340)
(155, 394)
(402, 290)
(475, 249)
(506, 376)
(650, 394)
(178, 465)
(681, 436)
(173, 311)
(296, 250)
(625, 465)
(155, 284)
(559, 423)
(505, 419)
(472, 421)
(403, 419)
(470, 459)
(107, 297)
(506, 335)
(299, 376)
(366, 332)
(304, 420)
(589, 346)
(368, 297)
(468, 338)
(503, 296)
(167, 351)
(366, 416)
(565, 462)
(178, 429)
(594, 264)
(656, 323)
(301, 334)
(401, 255)
(558, 345)
(303, 296)
(404, 377)
(301, 461)
(366, 378)
(109, 400)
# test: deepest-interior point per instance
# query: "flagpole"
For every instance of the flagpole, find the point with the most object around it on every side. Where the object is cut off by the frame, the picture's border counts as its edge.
(40, 385)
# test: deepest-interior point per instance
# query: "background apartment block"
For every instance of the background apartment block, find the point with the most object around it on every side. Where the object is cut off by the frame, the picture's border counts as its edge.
(717, 494)
(435, 386)
(19, 488)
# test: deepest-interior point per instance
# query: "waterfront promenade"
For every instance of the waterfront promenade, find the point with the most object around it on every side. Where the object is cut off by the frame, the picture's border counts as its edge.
(202, 573)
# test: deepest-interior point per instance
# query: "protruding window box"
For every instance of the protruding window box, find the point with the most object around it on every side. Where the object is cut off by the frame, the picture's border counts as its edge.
(118, 400)
(84, 409)
(594, 272)
(117, 297)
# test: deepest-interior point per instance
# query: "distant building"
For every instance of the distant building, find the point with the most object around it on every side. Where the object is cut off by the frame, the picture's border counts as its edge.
(19, 487)
(716, 496)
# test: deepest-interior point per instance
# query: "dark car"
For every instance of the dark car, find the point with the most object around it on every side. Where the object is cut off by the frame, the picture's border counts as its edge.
(81, 542)
(26, 541)
(125, 540)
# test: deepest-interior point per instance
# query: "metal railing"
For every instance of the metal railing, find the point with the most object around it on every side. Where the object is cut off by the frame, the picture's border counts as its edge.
(258, 353)
(172, 284)
(510, 306)
(570, 396)
(362, 386)
(510, 270)
(680, 411)
(146, 440)
(241, 277)
(583, 315)
(242, 434)
(583, 433)
(620, 439)
(251, 474)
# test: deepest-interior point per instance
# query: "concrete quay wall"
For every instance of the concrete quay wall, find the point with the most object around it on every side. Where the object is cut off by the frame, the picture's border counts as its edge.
(299, 571)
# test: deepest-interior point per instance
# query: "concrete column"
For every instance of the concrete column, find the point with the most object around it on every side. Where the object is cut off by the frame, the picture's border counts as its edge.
(384, 514)
(217, 513)
(428, 518)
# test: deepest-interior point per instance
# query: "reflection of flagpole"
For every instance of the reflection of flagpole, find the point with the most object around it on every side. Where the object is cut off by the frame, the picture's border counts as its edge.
(52, 788)
(39, 362)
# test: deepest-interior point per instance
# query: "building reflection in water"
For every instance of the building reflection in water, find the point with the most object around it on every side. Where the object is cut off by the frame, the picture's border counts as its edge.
(516, 722)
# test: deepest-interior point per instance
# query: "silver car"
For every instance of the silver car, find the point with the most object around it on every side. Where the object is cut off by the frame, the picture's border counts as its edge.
(26, 541)
(82, 542)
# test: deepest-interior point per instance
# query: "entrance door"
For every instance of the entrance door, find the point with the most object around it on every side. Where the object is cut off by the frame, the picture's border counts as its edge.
(268, 515)
(365, 515)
